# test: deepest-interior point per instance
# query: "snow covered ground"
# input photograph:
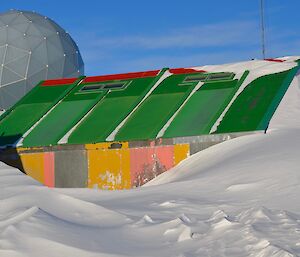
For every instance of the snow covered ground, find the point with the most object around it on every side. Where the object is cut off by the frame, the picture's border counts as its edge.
(238, 198)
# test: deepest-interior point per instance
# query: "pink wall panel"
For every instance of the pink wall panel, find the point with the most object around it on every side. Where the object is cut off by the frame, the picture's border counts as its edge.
(49, 169)
(148, 162)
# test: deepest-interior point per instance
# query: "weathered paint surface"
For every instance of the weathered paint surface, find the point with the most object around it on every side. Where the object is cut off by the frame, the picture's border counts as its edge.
(49, 169)
(109, 168)
(181, 152)
(71, 168)
(113, 165)
(33, 164)
(148, 162)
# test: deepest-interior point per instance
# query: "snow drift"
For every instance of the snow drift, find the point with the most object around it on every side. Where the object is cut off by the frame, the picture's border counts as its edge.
(238, 198)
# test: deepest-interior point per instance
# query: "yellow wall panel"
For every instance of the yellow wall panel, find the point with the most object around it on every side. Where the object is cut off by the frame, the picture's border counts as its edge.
(33, 165)
(181, 152)
(109, 168)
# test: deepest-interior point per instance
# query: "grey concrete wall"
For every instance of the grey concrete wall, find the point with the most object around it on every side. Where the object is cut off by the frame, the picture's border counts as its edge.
(71, 168)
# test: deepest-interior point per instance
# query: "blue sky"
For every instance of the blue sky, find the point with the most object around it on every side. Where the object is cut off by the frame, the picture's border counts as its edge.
(130, 35)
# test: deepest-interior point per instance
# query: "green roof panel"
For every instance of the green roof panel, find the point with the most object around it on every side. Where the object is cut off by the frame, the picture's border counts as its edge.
(25, 113)
(249, 109)
(63, 117)
(155, 111)
(202, 110)
(110, 111)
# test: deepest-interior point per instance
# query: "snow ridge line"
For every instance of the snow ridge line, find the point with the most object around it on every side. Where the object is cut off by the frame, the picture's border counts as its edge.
(19, 217)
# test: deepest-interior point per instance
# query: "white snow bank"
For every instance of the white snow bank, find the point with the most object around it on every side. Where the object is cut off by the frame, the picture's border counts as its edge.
(238, 198)
(23, 201)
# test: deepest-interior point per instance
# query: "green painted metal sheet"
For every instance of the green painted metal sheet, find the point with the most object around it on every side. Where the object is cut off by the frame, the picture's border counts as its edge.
(155, 111)
(25, 113)
(110, 111)
(63, 117)
(251, 106)
(97, 110)
(203, 109)
(38, 94)
(30, 94)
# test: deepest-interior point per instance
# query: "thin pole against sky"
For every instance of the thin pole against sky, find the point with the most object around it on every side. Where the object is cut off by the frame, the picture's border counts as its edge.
(262, 21)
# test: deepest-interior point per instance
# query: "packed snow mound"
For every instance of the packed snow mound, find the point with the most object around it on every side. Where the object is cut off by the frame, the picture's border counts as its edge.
(34, 198)
(238, 198)
(247, 158)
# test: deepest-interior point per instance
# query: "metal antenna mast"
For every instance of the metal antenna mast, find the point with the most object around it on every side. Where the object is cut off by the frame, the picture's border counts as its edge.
(262, 21)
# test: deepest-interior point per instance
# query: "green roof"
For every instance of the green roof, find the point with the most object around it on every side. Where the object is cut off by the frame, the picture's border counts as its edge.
(145, 105)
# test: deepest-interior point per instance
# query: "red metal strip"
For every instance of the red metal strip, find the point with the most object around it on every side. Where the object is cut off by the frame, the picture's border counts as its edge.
(185, 70)
(131, 75)
(49, 169)
(59, 82)
(274, 60)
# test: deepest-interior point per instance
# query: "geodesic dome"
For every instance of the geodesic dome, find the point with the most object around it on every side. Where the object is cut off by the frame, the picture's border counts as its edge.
(33, 48)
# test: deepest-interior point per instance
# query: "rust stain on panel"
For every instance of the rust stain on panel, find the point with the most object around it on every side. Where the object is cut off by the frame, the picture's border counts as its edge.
(148, 162)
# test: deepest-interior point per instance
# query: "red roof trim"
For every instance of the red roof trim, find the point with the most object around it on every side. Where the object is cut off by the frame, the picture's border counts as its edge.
(131, 75)
(184, 70)
(58, 82)
(274, 60)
